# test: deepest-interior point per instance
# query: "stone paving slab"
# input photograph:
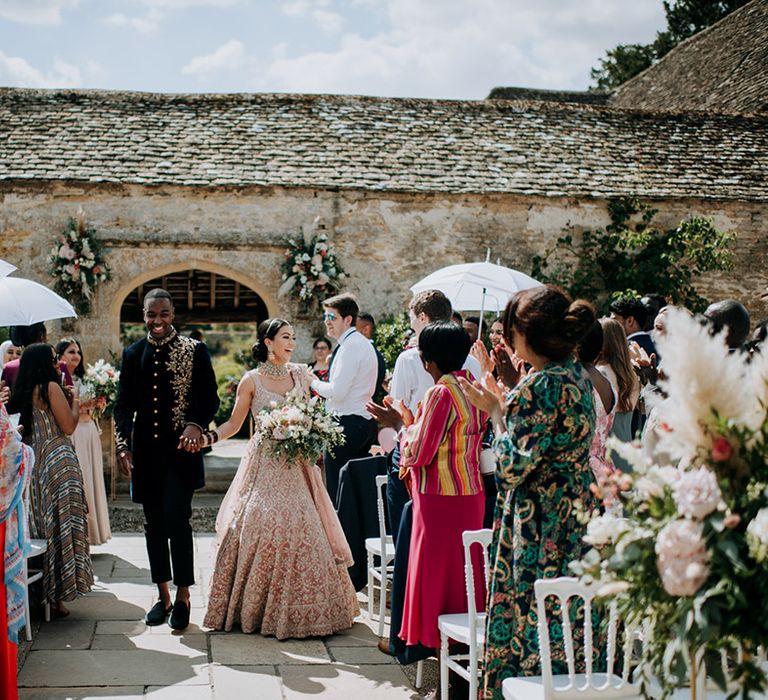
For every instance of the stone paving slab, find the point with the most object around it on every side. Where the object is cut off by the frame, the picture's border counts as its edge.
(65, 634)
(339, 682)
(103, 648)
(260, 682)
(123, 692)
(238, 649)
(106, 668)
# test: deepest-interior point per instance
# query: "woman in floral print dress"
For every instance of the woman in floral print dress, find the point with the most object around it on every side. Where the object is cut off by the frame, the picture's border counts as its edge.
(542, 448)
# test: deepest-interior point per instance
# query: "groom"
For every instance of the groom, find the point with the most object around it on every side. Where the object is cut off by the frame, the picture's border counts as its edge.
(166, 397)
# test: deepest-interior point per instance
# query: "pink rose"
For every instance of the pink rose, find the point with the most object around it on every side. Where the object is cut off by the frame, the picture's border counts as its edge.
(697, 493)
(682, 558)
(722, 450)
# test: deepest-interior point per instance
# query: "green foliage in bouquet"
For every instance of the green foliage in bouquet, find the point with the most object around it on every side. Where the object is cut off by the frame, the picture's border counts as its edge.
(77, 264)
(687, 556)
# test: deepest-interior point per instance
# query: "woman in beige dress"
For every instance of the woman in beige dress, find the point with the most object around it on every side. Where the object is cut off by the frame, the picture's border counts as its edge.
(87, 442)
(280, 558)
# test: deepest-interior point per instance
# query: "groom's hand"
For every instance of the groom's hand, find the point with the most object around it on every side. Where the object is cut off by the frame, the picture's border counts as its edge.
(190, 439)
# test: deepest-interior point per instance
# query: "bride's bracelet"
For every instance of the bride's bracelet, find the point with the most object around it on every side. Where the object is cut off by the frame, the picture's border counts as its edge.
(209, 438)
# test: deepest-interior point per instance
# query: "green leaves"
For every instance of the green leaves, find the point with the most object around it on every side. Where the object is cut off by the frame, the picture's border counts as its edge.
(632, 256)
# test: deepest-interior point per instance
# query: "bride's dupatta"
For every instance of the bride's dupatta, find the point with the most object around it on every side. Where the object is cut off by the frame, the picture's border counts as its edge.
(16, 460)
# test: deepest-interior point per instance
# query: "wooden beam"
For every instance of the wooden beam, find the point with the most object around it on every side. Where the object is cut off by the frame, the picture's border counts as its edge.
(213, 291)
(190, 292)
(237, 294)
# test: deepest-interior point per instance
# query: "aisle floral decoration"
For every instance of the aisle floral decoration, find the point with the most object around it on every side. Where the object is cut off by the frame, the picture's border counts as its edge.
(311, 270)
(299, 429)
(688, 556)
(100, 387)
(77, 264)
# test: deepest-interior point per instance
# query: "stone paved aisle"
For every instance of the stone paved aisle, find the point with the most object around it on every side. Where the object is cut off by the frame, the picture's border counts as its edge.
(104, 650)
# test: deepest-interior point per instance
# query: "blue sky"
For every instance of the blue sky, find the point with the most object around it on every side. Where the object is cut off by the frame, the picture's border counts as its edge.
(400, 48)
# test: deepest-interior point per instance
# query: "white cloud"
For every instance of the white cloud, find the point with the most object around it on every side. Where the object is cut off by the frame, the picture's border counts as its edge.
(17, 72)
(326, 19)
(146, 24)
(462, 49)
(157, 11)
(227, 58)
(46, 12)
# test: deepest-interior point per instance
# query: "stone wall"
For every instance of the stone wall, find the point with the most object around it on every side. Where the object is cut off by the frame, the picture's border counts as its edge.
(385, 241)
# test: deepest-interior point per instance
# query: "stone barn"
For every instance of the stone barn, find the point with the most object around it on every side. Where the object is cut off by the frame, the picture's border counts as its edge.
(200, 192)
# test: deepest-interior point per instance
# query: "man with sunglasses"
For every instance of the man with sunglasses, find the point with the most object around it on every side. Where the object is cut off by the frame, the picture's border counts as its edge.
(350, 386)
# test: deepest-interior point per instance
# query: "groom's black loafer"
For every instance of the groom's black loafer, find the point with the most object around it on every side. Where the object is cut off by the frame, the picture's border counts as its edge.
(179, 616)
(158, 614)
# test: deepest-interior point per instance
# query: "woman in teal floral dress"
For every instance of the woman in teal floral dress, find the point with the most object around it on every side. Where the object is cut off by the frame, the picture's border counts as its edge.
(544, 431)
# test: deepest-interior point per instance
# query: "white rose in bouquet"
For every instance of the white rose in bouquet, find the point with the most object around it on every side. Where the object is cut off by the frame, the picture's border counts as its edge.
(697, 493)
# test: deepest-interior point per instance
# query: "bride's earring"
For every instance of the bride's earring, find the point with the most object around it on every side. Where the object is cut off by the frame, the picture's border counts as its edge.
(270, 354)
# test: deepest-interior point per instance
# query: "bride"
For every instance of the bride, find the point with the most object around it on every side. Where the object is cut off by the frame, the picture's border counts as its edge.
(280, 557)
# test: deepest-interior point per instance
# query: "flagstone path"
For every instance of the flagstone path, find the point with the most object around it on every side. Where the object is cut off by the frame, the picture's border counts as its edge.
(104, 650)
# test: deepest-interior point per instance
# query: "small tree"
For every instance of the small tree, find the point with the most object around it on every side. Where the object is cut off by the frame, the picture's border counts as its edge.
(632, 254)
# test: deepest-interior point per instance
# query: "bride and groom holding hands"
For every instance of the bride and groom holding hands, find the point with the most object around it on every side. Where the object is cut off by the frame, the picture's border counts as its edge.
(280, 556)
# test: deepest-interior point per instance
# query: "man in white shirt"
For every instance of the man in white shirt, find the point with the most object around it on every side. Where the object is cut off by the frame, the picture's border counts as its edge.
(350, 386)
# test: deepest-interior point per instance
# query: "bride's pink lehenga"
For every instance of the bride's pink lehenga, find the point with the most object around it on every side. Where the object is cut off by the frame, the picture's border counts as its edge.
(281, 558)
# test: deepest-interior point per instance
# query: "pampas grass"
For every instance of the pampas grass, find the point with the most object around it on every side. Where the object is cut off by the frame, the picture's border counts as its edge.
(703, 381)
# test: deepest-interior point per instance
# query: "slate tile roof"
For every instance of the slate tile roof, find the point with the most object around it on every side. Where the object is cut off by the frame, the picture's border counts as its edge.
(522, 93)
(379, 144)
(723, 68)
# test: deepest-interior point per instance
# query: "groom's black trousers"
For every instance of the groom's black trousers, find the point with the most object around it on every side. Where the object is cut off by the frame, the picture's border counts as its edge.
(167, 510)
(359, 435)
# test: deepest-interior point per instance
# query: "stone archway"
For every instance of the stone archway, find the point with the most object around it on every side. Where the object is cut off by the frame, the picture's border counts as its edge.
(203, 292)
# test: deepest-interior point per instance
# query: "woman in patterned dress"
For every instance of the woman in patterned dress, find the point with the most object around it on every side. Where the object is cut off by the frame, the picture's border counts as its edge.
(543, 436)
(58, 513)
(281, 557)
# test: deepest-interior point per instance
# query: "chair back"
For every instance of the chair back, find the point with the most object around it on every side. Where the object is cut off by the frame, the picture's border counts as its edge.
(565, 589)
(483, 538)
(381, 480)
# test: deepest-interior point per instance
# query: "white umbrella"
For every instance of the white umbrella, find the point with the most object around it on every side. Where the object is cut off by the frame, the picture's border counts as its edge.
(6, 268)
(24, 302)
(473, 286)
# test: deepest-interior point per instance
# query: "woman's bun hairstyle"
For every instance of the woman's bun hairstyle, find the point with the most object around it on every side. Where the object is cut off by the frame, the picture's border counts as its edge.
(552, 323)
(267, 330)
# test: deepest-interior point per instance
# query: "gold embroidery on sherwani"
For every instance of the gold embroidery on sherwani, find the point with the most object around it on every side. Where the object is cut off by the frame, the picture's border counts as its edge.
(180, 360)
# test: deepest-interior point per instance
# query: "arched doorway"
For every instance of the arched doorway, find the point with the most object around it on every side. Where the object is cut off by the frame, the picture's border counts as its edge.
(200, 297)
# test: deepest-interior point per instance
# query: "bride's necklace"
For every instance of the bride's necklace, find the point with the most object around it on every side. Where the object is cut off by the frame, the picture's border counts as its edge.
(270, 369)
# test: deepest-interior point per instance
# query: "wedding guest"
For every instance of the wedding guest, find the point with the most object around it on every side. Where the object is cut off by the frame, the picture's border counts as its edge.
(366, 325)
(543, 434)
(653, 303)
(321, 349)
(472, 327)
(21, 336)
(8, 352)
(281, 558)
(457, 318)
(58, 511)
(615, 364)
(166, 398)
(350, 386)
(441, 462)
(87, 442)
(496, 334)
(16, 460)
(632, 315)
(734, 317)
(588, 353)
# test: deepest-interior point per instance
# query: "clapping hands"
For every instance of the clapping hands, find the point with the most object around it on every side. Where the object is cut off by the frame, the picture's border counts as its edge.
(391, 413)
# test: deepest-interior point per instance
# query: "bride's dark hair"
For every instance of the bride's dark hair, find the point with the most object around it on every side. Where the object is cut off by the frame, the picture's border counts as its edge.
(267, 331)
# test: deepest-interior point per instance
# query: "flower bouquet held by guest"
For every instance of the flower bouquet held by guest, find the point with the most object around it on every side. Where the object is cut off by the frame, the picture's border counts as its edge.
(58, 512)
(543, 435)
(281, 559)
(441, 461)
(87, 442)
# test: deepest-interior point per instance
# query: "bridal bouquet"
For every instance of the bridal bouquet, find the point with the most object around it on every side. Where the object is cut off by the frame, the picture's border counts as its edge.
(100, 386)
(687, 559)
(299, 429)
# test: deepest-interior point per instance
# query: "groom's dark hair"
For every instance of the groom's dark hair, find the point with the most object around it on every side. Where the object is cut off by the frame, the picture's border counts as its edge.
(157, 293)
